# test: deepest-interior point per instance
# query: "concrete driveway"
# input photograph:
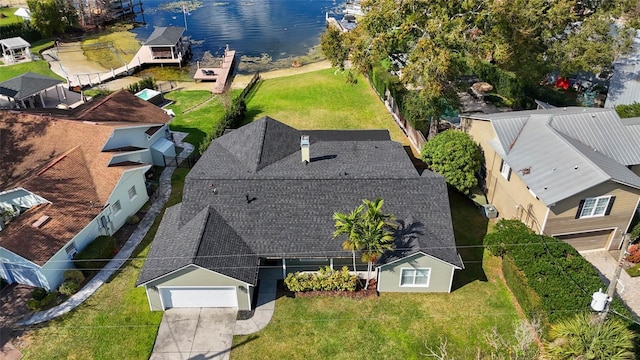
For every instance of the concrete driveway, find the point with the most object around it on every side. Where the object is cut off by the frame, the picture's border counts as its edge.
(195, 334)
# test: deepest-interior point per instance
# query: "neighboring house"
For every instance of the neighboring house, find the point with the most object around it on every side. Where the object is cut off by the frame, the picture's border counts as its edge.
(31, 90)
(15, 49)
(166, 45)
(264, 196)
(570, 172)
(68, 177)
(624, 86)
(100, 12)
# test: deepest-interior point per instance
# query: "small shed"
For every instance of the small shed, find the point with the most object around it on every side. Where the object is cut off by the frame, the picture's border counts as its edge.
(15, 49)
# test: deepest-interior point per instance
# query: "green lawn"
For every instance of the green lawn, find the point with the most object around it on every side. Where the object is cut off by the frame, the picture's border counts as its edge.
(39, 67)
(9, 17)
(322, 100)
(395, 326)
(115, 322)
(199, 121)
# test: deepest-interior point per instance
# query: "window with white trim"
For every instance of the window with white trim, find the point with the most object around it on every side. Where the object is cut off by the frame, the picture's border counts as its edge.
(132, 192)
(415, 277)
(505, 170)
(596, 206)
(116, 207)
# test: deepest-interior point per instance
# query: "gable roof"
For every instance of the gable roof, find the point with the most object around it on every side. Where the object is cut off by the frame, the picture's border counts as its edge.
(121, 106)
(25, 85)
(565, 150)
(165, 36)
(264, 201)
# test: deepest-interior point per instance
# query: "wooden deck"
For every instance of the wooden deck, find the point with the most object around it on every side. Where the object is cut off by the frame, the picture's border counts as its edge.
(220, 75)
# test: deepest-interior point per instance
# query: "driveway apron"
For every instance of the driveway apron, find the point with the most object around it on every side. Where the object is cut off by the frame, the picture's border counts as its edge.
(195, 333)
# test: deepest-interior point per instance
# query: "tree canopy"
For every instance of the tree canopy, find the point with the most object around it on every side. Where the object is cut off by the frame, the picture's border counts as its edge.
(52, 17)
(454, 155)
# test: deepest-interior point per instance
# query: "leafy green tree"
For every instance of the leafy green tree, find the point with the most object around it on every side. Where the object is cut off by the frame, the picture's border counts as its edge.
(628, 111)
(454, 155)
(348, 224)
(52, 17)
(587, 337)
(334, 47)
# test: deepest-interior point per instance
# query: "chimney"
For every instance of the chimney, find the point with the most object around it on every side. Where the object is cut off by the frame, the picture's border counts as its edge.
(304, 148)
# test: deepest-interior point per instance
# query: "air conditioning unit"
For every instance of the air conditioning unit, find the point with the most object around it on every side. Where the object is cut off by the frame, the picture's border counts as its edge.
(489, 211)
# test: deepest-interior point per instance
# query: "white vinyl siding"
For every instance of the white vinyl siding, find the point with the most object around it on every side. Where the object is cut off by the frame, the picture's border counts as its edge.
(415, 277)
(595, 206)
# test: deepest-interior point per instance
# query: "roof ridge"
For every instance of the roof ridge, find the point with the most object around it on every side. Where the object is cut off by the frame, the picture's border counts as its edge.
(202, 226)
(57, 160)
(563, 137)
(98, 103)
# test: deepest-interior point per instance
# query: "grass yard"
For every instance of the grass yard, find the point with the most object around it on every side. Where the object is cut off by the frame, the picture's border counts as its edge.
(199, 121)
(321, 100)
(8, 17)
(115, 322)
(395, 326)
(120, 39)
(39, 67)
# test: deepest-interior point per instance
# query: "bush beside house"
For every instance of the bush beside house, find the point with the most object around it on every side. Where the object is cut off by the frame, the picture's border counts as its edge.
(325, 279)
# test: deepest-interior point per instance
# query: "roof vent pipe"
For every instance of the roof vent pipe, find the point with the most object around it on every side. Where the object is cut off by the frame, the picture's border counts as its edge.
(304, 148)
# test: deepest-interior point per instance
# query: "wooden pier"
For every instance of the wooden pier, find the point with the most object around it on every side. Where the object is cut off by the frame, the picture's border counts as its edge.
(219, 75)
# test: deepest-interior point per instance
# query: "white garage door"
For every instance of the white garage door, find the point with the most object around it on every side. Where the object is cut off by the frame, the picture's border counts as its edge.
(188, 297)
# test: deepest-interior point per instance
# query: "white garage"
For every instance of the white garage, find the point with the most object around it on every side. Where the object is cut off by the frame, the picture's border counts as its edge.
(190, 297)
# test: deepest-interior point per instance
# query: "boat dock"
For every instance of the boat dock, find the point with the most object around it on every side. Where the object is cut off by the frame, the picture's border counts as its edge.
(219, 75)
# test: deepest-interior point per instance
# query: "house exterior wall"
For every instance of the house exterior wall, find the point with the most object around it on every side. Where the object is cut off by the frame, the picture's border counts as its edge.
(294, 265)
(140, 156)
(196, 276)
(8, 257)
(133, 136)
(440, 278)
(511, 197)
(562, 217)
(129, 206)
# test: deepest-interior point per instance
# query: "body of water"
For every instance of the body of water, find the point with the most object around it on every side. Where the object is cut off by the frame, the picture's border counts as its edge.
(280, 28)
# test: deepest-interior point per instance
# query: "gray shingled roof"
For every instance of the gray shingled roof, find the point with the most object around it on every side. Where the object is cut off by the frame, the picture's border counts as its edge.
(266, 203)
(567, 150)
(165, 36)
(26, 85)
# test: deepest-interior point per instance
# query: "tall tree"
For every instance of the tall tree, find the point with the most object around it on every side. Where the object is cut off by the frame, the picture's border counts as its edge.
(454, 155)
(52, 17)
(349, 225)
(587, 337)
(334, 47)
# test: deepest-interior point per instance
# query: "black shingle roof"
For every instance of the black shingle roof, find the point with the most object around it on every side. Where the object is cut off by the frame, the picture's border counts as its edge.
(266, 203)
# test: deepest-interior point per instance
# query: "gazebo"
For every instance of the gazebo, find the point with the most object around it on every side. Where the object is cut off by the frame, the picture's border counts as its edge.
(23, 13)
(32, 90)
(15, 49)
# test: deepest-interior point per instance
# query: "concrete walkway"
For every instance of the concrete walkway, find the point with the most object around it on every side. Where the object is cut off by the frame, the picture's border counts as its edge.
(164, 190)
(265, 306)
(628, 288)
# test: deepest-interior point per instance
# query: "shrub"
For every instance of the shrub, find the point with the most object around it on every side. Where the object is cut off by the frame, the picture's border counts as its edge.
(3, 283)
(527, 298)
(46, 300)
(133, 219)
(69, 287)
(559, 276)
(39, 294)
(633, 254)
(97, 254)
(324, 280)
(73, 275)
(145, 83)
(232, 117)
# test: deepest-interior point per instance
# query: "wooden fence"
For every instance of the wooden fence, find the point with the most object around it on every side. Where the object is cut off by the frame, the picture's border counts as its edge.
(252, 83)
(416, 137)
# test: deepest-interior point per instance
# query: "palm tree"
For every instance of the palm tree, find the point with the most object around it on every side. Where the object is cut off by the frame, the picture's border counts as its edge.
(376, 240)
(588, 337)
(349, 224)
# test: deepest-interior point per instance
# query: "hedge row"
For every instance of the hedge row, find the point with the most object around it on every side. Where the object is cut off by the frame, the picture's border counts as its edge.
(19, 30)
(527, 298)
(232, 117)
(324, 280)
(558, 275)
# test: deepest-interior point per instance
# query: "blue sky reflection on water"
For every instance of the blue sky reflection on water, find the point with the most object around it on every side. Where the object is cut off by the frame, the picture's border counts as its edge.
(280, 28)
